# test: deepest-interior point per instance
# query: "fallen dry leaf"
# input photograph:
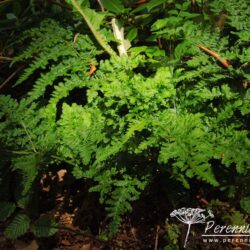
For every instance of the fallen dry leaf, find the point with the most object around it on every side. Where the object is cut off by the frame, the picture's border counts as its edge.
(65, 243)
(20, 245)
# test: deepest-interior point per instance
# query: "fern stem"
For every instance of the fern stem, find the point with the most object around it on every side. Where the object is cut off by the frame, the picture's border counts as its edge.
(30, 152)
(30, 139)
(62, 159)
(17, 152)
(97, 35)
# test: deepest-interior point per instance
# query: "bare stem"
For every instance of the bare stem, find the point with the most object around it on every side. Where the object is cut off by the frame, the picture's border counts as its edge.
(6, 1)
(119, 35)
(10, 77)
(5, 58)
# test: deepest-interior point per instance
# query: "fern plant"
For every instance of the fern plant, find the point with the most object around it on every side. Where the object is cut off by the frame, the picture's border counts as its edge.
(33, 122)
(173, 107)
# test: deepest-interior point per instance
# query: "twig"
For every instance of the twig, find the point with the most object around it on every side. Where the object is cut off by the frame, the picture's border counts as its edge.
(204, 201)
(17, 152)
(10, 77)
(225, 63)
(5, 58)
(141, 2)
(157, 237)
(221, 21)
(6, 1)
(76, 232)
(61, 159)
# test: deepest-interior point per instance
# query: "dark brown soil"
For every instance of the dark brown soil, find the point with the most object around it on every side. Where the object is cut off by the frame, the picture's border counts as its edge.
(82, 220)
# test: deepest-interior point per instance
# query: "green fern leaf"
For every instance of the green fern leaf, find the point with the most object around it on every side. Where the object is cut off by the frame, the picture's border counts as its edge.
(6, 210)
(44, 227)
(126, 191)
(27, 167)
(18, 226)
(113, 6)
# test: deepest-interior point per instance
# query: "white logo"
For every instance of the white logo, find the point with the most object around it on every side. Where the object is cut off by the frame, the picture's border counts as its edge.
(191, 216)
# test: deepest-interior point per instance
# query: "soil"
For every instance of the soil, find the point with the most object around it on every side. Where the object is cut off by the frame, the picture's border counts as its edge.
(82, 219)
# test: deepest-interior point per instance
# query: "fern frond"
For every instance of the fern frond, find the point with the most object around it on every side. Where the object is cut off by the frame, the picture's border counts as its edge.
(18, 226)
(27, 167)
(6, 209)
(126, 190)
(44, 227)
(42, 39)
(86, 132)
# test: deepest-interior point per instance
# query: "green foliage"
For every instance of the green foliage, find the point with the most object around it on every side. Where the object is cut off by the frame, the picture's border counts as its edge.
(124, 192)
(18, 226)
(44, 227)
(168, 106)
(27, 167)
(114, 6)
(93, 20)
(79, 133)
(6, 210)
(189, 143)
(245, 203)
(173, 233)
(235, 218)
